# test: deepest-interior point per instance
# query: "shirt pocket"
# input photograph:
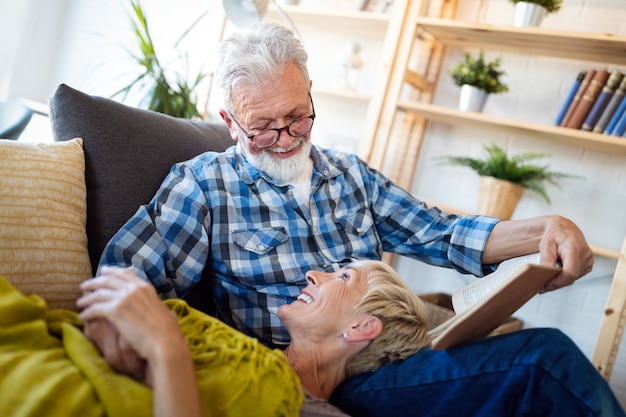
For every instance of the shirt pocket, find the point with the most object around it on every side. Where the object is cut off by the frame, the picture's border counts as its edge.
(260, 241)
(358, 222)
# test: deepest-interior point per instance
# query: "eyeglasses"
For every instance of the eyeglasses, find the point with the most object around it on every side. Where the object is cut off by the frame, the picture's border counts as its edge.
(267, 137)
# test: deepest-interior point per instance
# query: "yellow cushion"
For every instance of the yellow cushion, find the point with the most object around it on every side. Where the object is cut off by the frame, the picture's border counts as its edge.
(43, 243)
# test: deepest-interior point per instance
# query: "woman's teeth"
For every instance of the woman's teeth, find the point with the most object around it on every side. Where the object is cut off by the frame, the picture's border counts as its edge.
(306, 298)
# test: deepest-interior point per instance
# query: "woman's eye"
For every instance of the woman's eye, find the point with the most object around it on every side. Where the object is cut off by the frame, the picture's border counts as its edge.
(344, 276)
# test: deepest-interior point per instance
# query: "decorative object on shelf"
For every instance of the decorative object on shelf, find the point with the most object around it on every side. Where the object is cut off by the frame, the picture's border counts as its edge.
(504, 178)
(530, 13)
(248, 12)
(165, 91)
(484, 76)
(472, 98)
(376, 6)
(351, 65)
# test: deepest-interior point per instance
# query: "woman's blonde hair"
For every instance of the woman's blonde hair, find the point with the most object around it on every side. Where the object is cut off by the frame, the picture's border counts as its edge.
(402, 313)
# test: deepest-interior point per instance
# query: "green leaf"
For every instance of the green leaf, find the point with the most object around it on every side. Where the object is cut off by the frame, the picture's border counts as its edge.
(515, 169)
(171, 95)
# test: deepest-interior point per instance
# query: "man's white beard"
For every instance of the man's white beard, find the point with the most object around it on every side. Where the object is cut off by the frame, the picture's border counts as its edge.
(282, 169)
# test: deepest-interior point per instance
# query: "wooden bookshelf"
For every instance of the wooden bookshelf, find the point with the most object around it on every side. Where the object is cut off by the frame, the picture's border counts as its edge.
(593, 47)
(401, 123)
(570, 137)
(356, 22)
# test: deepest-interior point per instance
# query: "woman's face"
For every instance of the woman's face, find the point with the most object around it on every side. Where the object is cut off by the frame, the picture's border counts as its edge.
(324, 307)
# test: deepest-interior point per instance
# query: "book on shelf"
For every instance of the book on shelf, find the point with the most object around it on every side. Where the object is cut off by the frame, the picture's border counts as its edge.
(621, 109)
(588, 98)
(579, 93)
(570, 97)
(620, 126)
(486, 303)
(601, 102)
(611, 107)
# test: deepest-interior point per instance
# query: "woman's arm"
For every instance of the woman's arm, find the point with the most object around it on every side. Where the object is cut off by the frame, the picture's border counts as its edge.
(556, 238)
(133, 308)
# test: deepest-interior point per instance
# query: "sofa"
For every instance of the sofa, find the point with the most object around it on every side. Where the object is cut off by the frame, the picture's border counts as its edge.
(107, 159)
(60, 203)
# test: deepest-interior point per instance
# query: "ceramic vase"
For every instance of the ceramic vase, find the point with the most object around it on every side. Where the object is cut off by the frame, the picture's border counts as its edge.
(472, 98)
(528, 14)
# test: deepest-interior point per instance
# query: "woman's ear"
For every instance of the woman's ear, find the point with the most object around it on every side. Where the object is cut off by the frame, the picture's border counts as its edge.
(367, 328)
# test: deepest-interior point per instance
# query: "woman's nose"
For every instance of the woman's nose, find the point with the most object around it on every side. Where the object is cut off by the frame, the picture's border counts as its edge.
(310, 278)
(316, 278)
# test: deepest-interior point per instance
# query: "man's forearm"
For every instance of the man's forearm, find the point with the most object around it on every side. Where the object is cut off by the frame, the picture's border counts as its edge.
(509, 239)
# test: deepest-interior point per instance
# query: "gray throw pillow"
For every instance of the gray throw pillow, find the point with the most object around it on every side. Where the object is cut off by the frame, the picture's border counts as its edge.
(128, 152)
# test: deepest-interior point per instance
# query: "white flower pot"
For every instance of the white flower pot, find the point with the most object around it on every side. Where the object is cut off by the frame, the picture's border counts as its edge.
(472, 98)
(528, 14)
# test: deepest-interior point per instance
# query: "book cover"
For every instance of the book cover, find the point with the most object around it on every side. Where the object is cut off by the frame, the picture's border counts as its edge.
(511, 289)
(611, 107)
(603, 99)
(616, 116)
(570, 97)
(579, 93)
(588, 99)
(620, 126)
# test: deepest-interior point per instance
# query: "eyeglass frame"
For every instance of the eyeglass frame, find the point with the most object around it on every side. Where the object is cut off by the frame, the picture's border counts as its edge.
(278, 130)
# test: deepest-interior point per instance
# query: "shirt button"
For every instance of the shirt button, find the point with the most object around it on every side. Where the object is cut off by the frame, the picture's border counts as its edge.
(261, 247)
(359, 230)
(290, 192)
(326, 172)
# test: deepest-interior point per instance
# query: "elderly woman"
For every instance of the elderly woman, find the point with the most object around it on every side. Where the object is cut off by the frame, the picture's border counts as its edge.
(343, 323)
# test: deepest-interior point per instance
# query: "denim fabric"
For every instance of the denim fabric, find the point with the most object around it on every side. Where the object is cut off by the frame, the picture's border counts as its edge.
(534, 372)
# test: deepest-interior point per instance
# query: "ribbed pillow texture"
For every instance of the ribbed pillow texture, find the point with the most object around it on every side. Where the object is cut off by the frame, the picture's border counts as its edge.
(43, 242)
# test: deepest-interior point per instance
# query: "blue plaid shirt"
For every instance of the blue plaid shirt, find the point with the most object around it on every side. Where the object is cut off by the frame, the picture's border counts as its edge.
(260, 239)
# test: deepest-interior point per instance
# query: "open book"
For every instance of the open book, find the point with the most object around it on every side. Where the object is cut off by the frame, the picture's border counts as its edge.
(486, 303)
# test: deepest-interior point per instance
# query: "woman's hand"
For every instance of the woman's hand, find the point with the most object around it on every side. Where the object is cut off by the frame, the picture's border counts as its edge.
(132, 306)
(144, 330)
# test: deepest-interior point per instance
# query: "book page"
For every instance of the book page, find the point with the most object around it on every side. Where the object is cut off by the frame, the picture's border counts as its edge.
(472, 293)
(491, 311)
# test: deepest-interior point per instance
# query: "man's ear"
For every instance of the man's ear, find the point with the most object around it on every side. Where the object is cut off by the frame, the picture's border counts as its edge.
(229, 122)
(367, 328)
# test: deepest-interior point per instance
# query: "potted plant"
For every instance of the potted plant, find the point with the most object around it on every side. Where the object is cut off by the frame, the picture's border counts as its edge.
(532, 12)
(503, 179)
(164, 90)
(477, 79)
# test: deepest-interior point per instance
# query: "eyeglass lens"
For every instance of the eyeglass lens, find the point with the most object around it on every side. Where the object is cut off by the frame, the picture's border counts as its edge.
(296, 128)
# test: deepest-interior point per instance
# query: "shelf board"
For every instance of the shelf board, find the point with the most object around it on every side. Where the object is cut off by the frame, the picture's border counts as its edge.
(570, 137)
(356, 23)
(596, 47)
(342, 94)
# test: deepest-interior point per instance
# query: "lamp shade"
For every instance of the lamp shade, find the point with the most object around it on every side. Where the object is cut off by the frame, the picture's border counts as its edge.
(245, 12)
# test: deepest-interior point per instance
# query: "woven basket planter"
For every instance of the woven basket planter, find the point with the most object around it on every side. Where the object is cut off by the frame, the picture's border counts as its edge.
(498, 198)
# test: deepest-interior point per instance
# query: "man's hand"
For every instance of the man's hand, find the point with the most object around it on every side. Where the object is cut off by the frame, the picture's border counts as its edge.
(563, 242)
(557, 239)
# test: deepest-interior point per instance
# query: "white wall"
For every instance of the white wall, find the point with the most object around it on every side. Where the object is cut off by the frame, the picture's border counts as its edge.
(82, 43)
